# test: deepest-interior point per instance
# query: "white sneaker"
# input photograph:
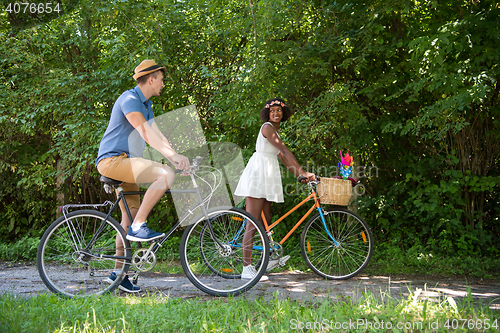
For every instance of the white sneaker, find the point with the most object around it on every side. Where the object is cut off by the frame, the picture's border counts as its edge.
(277, 263)
(249, 273)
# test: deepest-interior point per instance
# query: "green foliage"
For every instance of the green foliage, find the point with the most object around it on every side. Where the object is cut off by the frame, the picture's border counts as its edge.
(410, 88)
(23, 249)
(389, 258)
(60, 80)
(431, 212)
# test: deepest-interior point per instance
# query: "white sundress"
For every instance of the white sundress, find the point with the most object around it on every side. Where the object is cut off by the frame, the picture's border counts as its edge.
(262, 176)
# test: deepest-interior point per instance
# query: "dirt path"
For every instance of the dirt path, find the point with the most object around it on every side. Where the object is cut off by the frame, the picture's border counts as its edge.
(23, 280)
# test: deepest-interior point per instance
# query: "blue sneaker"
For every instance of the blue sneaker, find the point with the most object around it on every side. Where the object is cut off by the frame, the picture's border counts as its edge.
(144, 234)
(126, 285)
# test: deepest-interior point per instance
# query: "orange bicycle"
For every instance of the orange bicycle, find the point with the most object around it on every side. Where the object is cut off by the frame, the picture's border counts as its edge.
(336, 243)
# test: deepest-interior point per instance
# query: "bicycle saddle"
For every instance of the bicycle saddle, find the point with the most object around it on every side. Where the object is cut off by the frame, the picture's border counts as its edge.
(110, 181)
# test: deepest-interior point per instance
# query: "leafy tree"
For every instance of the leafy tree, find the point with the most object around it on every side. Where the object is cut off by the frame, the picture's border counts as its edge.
(409, 88)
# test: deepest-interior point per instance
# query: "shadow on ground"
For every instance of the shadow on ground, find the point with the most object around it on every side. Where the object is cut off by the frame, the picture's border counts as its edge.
(23, 280)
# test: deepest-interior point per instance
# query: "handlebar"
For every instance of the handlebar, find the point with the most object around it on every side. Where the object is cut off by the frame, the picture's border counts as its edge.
(301, 178)
(354, 182)
(195, 163)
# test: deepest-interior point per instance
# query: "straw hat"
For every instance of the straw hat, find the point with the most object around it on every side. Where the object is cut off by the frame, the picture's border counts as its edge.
(146, 67)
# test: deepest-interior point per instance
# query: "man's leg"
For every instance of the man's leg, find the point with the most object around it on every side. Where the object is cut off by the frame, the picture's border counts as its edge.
(138, 171)
(164, 178)
(125, 223)
(133, 201)
(154, 193)
(126, 169)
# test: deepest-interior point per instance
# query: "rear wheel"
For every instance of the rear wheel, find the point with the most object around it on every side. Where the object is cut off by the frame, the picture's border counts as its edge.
(338, 261)
(70, 267)
(214, 265)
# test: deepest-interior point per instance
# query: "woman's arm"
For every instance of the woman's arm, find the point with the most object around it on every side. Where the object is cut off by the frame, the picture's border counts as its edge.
(286, 157)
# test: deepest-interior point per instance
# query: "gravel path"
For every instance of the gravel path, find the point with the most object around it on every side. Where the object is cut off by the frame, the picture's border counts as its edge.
(23, 280)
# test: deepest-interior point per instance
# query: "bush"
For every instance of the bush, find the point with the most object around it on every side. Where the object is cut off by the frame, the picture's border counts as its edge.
(23, 249)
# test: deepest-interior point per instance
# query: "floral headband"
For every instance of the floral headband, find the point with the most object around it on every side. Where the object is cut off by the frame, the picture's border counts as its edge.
(275, 103)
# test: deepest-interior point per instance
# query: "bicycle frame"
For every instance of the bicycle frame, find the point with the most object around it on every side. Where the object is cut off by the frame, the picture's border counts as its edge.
(316, 205)
(79, 250)
(157, 245)
(268, 227)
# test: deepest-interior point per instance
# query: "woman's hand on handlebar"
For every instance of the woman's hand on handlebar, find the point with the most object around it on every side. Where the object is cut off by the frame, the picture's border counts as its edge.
(306, 177)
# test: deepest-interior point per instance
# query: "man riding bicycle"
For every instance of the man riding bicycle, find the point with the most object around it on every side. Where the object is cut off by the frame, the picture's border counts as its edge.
(120, 154)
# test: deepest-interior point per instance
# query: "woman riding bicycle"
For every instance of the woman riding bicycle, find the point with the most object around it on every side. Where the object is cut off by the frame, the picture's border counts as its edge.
(261, 183)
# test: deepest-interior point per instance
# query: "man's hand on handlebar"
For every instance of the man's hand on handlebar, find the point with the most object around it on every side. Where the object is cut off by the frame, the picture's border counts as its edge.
(181, 162)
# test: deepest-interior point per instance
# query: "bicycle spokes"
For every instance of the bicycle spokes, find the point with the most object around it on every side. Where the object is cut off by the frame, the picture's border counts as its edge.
(337, 245)
(66, 263)
(213, 257)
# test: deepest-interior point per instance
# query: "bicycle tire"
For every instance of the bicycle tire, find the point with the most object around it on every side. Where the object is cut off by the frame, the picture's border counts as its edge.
(205, 250)
(214, 270)
(342, 261)
(67, 268)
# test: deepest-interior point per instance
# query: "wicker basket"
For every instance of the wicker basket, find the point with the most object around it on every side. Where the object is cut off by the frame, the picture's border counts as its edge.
(334, 191)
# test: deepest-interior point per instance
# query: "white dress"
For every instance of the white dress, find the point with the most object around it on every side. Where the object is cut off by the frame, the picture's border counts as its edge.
(262, 176)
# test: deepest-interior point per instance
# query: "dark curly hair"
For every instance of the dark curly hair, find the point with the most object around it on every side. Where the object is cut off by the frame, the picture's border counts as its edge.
(264, 113)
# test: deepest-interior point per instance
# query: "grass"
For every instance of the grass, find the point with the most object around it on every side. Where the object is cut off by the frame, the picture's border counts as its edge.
(155, 313)
(152, 313)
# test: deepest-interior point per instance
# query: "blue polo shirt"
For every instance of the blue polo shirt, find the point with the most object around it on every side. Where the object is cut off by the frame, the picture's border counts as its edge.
(120, 136)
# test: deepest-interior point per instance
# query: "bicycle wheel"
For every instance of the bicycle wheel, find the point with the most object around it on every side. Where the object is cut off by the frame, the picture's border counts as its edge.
(337, 261)
(214, 265)
(206, 245)
(70, 267)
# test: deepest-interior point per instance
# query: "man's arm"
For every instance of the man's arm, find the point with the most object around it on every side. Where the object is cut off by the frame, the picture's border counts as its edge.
(157, 130)
(155, 139)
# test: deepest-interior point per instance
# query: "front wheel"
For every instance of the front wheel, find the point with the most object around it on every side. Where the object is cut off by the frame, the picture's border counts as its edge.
(70, 266)
(214, 262)
(338, 249)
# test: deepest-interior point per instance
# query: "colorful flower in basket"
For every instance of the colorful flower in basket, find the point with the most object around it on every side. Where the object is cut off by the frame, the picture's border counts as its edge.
(345, 165)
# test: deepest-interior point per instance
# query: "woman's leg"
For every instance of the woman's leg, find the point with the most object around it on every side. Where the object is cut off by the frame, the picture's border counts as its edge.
(254, 206)
(266, 208)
